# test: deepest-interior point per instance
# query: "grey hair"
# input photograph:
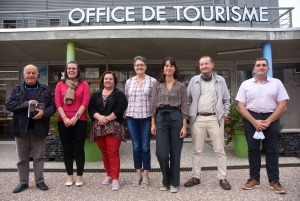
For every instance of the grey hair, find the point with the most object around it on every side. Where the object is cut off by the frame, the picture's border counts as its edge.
(143, 59)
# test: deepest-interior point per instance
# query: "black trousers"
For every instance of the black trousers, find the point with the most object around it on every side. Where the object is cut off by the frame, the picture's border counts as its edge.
(270, 144)
(72, 140)
(169, 144)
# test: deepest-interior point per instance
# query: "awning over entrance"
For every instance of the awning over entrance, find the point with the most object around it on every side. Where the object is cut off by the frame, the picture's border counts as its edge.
(153, 42)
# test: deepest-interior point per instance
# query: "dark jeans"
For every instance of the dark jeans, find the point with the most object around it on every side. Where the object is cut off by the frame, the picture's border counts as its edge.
(269, 143)
(169, 144)
(140, 134)
(72, 140)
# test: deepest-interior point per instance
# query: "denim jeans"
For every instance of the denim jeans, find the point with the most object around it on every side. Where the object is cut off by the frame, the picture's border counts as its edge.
(270, 144)
(140, 134)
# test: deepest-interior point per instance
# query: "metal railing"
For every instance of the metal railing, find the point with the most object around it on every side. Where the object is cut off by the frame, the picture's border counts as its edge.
(279, 17)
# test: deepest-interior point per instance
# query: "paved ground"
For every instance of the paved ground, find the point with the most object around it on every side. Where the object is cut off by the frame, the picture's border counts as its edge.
(92, 189)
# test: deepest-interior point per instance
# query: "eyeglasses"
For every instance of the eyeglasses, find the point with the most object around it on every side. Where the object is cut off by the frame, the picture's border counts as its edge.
(71, 68)
(141, 65)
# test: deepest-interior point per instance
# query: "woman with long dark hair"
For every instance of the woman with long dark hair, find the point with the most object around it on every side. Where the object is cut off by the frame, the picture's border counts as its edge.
(169, 118)
(72, 96)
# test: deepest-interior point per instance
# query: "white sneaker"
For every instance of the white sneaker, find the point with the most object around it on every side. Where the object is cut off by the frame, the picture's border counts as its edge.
(163, 188)
(173, 189)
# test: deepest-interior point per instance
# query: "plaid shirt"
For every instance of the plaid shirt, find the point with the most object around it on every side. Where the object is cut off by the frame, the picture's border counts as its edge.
(139, 97)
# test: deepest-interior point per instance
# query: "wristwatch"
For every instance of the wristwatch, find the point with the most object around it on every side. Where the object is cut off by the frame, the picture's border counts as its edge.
(78, 115)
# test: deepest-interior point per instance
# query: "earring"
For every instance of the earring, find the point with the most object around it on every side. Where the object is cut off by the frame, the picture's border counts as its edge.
(164, 73)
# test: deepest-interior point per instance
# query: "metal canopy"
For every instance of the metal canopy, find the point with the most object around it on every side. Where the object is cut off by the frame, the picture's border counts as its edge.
(154, 44)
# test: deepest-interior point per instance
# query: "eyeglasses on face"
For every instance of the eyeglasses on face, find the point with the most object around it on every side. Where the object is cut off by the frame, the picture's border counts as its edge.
(141, 65)
(71, 68)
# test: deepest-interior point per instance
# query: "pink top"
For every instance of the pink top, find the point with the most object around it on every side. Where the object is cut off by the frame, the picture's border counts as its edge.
(82, 97)
(262, 97)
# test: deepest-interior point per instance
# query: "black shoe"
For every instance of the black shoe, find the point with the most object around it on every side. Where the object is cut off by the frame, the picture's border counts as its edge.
(192, 182)
(224, 184)
(42, 186)
(20, 188)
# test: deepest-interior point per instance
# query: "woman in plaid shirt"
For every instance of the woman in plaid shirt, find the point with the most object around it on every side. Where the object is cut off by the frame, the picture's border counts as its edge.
(138, 90)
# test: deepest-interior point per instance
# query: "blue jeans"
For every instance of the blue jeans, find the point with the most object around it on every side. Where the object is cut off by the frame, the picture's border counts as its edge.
(140, 134)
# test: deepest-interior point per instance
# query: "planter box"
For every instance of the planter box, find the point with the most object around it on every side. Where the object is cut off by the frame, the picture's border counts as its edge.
(53, 149)
(289, 142)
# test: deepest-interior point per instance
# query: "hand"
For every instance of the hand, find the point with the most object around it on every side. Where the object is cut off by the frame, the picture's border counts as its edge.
(102, 120)
(32, 102)
(153, 129)
(266, 123)
(259, 125)
(39, 115)
(105, 121)
(67, 122)
(183, 132)
(74, 120)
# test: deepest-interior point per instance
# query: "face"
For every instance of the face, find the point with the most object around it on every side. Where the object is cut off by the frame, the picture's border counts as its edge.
(30, 74)
(206, 66)
(261, 68)
(169, 69)
(140, 67)
(109, 81)
(72, 71)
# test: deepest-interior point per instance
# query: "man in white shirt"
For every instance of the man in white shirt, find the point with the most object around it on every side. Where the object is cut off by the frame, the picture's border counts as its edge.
(262, 101)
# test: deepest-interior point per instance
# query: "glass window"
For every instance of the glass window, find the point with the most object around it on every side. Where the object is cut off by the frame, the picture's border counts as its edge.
(227, 76)
(126, 71)
(90, 73)
(8, 77)
(223, 2)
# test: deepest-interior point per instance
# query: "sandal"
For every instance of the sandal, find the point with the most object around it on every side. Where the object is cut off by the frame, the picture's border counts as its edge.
(145, 181)
(137, 180)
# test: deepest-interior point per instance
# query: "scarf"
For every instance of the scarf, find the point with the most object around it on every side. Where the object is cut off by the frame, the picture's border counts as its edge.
(70, 94)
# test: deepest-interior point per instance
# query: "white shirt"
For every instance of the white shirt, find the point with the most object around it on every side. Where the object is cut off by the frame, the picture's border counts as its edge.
(262, 97)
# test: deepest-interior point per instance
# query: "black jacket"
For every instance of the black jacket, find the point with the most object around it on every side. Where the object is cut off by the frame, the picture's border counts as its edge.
(18, 104)
(116, 103)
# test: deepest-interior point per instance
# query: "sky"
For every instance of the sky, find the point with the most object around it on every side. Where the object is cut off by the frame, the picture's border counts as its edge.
(295, 12)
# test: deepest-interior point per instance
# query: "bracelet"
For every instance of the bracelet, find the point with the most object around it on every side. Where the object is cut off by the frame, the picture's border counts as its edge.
(64, 117)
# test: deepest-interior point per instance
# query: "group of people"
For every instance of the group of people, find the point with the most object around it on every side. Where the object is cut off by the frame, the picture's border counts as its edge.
(160, 107)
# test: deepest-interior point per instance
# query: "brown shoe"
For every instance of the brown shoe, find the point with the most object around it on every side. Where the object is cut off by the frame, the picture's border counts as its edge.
(192, 182)
(275, 185)
(224, 184)
(251, 183)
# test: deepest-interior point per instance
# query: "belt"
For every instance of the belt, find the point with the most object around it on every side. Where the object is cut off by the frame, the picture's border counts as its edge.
(206, 114)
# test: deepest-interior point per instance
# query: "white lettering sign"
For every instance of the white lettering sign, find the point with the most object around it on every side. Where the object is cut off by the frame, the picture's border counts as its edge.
(158, 13)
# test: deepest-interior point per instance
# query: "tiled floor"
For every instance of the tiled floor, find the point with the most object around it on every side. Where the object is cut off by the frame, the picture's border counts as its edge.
(93, 190)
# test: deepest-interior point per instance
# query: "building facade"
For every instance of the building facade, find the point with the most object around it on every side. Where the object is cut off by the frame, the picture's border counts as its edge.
(107, 35)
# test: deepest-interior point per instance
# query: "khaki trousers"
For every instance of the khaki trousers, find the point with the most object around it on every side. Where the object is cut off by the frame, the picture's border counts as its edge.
(35, 145)
(199, 128)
